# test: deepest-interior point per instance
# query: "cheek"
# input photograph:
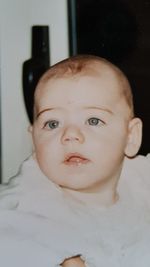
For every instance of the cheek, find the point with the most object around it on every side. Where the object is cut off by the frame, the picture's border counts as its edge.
(109, 139)
(41, 138)
(47, 149)
(42, 143)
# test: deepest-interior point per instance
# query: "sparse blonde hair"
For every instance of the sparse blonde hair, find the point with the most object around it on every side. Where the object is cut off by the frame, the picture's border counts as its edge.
(83, 65)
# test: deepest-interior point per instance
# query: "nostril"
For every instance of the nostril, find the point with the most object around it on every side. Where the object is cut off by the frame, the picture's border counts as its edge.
(71, 138)
(72, 134)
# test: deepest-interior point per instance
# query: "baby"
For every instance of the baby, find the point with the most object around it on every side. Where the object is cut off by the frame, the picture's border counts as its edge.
(85, 138)
(83, 127)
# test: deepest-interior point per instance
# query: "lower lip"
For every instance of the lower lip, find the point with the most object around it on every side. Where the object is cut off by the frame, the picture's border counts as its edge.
(77, 162)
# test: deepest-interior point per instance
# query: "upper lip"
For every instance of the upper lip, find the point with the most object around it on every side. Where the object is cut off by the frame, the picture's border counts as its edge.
(77, 155)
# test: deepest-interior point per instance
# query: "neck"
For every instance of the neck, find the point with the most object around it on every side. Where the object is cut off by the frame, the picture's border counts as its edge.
(103, 198)
(103, 194)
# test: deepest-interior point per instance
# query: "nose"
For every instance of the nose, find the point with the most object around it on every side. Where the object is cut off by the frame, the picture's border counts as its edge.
(72, 134)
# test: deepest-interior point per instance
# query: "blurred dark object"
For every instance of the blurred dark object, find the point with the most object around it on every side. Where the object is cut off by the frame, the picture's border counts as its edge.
(118, 30)
(36, 66)
(103, 28)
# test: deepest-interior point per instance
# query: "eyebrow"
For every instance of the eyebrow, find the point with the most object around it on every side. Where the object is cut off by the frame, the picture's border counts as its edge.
(44, 110)
(88, 107)
(100, 108)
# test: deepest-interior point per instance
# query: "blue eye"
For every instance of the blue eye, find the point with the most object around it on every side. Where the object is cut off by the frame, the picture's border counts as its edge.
(95, 121)
(53, 124)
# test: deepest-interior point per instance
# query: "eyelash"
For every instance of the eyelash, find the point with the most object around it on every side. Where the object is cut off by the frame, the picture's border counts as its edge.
(54, 122)
(93, 121)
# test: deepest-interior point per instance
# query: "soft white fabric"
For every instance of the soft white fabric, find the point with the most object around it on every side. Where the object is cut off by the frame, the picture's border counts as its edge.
(40, 226)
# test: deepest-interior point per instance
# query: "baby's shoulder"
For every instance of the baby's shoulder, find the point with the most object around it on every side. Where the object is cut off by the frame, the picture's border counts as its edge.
(10, 192)
(138, 167)
(134, 183)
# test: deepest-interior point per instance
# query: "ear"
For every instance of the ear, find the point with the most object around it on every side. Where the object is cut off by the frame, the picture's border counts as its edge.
(30, 129)
(134, 137)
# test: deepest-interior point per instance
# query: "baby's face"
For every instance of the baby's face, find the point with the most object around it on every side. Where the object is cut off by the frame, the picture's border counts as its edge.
(80, 131)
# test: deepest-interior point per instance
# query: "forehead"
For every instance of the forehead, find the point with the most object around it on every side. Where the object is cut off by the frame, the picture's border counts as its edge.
(95, 85)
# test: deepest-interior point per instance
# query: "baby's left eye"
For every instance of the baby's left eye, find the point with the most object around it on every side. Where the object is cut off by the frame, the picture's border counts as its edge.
(95, 121)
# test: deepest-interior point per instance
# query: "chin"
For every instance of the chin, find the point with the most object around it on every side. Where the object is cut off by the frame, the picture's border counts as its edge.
(75, 187)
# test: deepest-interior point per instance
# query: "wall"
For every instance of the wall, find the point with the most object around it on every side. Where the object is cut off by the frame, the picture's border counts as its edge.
(16, 19)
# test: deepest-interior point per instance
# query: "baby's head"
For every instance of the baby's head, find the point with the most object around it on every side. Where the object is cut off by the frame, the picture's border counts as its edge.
(84, 124)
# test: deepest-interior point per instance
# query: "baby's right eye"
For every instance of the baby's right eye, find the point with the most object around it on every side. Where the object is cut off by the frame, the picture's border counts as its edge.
(52, 124)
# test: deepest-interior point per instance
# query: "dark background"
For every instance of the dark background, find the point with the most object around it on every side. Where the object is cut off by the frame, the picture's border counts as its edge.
(118, 30)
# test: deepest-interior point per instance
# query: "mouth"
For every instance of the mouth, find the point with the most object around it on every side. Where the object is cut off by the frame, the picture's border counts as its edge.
(75, 159)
